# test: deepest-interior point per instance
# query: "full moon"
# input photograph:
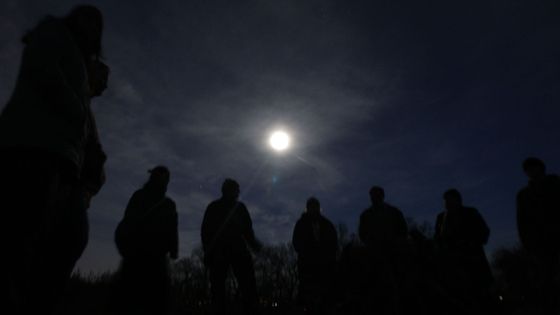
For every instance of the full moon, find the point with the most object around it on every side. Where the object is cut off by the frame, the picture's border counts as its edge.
(279, 140)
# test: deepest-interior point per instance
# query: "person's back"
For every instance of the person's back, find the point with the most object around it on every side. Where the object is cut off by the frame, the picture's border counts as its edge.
(226, 228)
(227, 234)
(316, 244)
(461, 234)
(155, 221)
(538, 224)
(146, 237)
(382, 226)
(384, 231)
(538, 215)
(315, 239)
(462, 228)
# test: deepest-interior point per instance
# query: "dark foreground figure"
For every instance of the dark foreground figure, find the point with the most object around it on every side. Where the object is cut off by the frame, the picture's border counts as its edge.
(461, 234)
(71, 228)
(384, 231)
(316, 243)
(45, 131)
(227, 234)
(146, 237)
(538, 223)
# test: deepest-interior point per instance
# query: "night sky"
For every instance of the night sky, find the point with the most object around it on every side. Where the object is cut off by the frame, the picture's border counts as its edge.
(415, 96)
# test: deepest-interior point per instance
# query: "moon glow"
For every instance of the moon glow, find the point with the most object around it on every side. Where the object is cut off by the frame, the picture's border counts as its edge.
(279, 140)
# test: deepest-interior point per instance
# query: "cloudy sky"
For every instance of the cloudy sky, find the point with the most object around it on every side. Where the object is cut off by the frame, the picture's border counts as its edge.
(415, 96)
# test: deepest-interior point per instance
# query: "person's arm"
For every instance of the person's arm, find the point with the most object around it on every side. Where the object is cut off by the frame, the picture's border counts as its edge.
(332, 238)
(402, 226)
(45, 56)
(297, 238)
(248, 232)
(363, 232)
(482, 230)
(438, 228)
(525, 223)
(93, 173)
(205, 233)
(174, 241)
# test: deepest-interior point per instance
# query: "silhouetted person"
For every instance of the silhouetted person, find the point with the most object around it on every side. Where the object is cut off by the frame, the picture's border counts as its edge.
(382, 225)
(383, 230)
(538, 224)
(354, 279)
(461, 234)
(146, 238)
(71, 227)
(43, 135)
(316, 243)
(227, 234)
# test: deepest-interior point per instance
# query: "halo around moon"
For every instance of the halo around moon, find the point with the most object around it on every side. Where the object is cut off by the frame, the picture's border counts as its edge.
(279, 140)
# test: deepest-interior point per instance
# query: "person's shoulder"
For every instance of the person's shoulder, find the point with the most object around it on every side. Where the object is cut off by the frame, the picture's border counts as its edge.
(327, 222)
(325, 219)
(523, 191)
(393, 208)
(471, 210)
(137, 193)
(367, 211)
(301, 220)
(214, 204)
(50, 29)
(552, 179)
(241, 207)
(49, 24)
(170, 202)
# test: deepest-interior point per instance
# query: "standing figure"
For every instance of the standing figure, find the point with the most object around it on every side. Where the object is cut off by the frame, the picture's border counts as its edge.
(382, 226)
(43, 137)
(147, 237)
(71, 226)
(461, 234)
(384, 231)
(316, 243)
(227, 234)
(538, 224)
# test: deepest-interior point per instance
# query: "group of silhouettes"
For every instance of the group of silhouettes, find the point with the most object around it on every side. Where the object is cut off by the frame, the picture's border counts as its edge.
(53, 164)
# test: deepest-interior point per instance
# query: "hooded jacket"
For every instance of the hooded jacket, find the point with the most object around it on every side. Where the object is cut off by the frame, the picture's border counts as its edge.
(48, 109)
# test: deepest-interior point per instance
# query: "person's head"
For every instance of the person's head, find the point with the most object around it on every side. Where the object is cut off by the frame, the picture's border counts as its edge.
(159, 176)
(453, 199)
(313, 207)
(85, 22)
(98, 74)
(230, 190)
(377, 195)
(534, 168)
